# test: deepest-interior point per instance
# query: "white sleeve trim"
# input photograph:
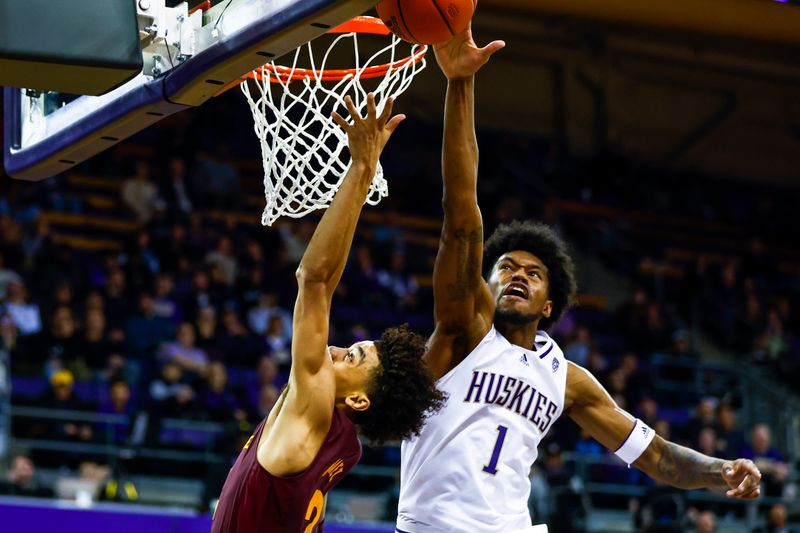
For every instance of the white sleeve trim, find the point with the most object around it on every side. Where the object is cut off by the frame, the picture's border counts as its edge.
(636, 443)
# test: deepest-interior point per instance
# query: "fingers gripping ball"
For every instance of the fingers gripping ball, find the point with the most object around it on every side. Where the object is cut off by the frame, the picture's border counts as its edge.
(426, 21)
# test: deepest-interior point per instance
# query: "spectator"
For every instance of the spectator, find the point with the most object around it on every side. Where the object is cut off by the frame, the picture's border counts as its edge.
(139, 194)
(295, 239)
(661, 510)
(63, 295)
(267, 374)
(577, 350)
(9, 343)
(706, 522)
(267, 398)
(653, 335)
(145, 331)
(398, 282)
(771, 344)
(567, 505)
(702, 417)
(184, 353)
(216, 401)
(254, 256)
(7, 276)
(663, 429)
(20, 480)
(61, 396)
(116, 297)
(206, 324)
(362, 280)
(729, 439)
(251, 287)
(175, 247)
(63, 348)
(172, 398)
(217, 180)
(140, 261)
(224, 259)
(235, 343)
(279, 342)
(648, 411)
(38, 244)
(164, 302)
(201, 296)
(707, 441)
(24, 314)
(728, 299)
(770, 461)
(177, 191)
(258, 318)
(682, 345)
(777, 521)
(118, 403)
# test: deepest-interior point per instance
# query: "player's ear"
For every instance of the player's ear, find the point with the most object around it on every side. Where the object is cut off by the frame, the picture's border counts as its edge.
(548, 309)
(357, 402)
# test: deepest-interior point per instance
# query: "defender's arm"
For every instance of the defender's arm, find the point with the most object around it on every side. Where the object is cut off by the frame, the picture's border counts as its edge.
(593, 409)
(463, 308)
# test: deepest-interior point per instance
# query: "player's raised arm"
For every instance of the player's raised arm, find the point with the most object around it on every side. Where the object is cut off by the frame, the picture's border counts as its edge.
(593, 409)
(462, 305)
(323, 262)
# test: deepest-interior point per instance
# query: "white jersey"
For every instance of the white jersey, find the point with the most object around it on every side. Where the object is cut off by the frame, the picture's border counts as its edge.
(468, 470)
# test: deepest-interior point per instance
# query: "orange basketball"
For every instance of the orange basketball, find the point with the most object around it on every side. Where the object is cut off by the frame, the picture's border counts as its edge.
(426, 21)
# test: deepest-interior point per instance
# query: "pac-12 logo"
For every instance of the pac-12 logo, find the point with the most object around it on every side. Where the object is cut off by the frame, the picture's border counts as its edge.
(555, 364)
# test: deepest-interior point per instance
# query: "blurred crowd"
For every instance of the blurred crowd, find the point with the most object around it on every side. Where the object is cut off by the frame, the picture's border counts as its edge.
(191, 320)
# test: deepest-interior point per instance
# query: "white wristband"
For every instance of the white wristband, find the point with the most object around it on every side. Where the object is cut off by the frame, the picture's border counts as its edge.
(637, 442)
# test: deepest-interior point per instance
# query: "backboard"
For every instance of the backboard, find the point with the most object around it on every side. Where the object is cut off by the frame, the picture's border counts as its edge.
(189, 55)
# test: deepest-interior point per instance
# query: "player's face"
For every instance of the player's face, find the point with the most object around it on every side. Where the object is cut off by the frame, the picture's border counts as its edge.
(352, 367)
(519, 285)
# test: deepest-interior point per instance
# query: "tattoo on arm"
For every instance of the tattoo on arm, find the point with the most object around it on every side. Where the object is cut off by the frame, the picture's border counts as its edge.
(688, 469)
(468, 267)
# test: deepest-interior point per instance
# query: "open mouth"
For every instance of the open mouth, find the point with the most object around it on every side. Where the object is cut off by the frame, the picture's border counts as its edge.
(516, 290)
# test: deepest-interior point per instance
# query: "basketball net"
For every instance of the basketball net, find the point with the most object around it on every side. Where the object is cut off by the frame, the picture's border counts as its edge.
(304, 151)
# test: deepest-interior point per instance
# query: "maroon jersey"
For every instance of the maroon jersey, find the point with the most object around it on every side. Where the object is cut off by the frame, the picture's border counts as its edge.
(255, 501)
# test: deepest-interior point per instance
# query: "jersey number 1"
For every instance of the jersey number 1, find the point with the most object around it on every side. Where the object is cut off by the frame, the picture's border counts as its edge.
(491, 468)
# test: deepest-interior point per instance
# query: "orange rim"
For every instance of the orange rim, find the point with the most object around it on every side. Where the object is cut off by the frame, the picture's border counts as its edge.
(364, 25)
(287, 74)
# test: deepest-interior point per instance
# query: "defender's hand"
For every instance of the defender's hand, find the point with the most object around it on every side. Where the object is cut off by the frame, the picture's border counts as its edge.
(743, 477)
(461, 58)
(368, 135)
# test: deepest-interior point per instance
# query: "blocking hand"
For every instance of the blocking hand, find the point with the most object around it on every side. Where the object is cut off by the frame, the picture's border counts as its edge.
(461, 58)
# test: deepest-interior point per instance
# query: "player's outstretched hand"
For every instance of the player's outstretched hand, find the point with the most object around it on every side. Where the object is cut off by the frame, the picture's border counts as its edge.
(743, 478)
(461, 58)
(368, 135)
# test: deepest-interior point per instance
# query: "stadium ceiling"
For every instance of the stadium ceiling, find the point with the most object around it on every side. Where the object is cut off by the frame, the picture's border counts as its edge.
(764, 20)
(696, 92)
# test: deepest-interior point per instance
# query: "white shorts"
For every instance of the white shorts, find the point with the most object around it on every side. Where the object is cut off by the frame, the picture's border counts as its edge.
(541, 528)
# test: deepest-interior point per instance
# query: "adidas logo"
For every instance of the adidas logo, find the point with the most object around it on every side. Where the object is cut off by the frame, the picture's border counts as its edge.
(524, 360)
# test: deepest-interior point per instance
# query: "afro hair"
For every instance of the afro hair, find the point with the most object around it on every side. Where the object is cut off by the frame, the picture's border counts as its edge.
(540, 240)
(401, 390)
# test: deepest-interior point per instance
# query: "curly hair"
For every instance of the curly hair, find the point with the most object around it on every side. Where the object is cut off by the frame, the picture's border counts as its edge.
(401, 390)
(540, 240)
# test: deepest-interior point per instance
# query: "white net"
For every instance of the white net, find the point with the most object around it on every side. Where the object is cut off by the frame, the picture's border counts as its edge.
(305, 153)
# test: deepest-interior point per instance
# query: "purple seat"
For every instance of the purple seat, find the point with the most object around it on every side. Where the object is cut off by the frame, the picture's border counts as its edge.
(27, 387)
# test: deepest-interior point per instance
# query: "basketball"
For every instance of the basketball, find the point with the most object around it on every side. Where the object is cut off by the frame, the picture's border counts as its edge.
(426, 21)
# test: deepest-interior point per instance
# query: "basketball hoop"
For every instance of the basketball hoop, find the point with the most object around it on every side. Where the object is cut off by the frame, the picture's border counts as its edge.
(304, 150)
